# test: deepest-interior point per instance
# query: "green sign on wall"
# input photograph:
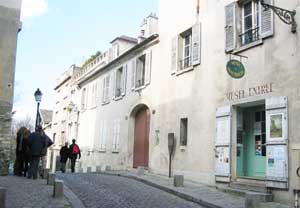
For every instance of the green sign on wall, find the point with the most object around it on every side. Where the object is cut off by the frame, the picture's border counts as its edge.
(235, 68)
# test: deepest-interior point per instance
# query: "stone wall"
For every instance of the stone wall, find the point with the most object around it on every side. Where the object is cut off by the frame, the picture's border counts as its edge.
(5, 136)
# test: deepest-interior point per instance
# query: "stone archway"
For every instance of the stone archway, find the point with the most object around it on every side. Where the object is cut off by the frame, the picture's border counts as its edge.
(141, 115)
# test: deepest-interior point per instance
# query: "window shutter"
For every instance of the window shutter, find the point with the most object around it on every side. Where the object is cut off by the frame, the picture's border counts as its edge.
(133, 73)
(114, 145)
(148, 67)
(104, 134)
(196, 44)
(223, 143)
(118, 134)
(266, 21)
(124, 79)
(276, 142)
(230, 28)
(101, 134)
(113, 83)
(104, 90)
(107, 88)
(174, 60)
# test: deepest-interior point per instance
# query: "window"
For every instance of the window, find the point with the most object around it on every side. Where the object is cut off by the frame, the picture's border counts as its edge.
(83, 99)
(140, 71)
(183, 131)
(249, 21)
(63, 138)
(140, 68)
(94, 94)
(103, 135)
(54, 135)
(116, 135)
(186, 49)
(105, 94)
(186, 39)
(116, 50)
(119, 89)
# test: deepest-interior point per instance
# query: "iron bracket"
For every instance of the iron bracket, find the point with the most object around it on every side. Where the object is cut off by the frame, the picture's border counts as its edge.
(287, 16)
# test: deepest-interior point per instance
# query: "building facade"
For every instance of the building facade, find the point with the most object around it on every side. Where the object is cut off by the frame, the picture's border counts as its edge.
(10, 25)
(222, 77)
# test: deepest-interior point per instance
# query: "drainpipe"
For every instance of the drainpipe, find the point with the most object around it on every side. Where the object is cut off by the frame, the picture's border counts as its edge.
(296, 191)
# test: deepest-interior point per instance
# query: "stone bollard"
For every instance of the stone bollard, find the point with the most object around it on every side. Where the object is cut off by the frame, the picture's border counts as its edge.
(45, 173)
(178, 180)
(51, 179)
(58, 189)
(107, 168)
(2, 197)
(89, 169)
(98, 169)
(140, 170)
(80, 170)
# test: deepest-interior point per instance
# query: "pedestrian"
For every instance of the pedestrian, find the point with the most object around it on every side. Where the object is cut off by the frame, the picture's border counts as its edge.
(64, 154)
(25, 152)
(18, 163)
(74, 151)
(38, 144)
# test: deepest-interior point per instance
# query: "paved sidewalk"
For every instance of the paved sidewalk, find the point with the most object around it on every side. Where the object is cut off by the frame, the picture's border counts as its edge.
(201, 194)
(27, 193)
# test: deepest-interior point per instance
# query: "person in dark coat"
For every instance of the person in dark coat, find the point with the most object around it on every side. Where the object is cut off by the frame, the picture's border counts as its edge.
(74, 151)
(25, 152)
(37, 143)
(64, 154)
(18, 163)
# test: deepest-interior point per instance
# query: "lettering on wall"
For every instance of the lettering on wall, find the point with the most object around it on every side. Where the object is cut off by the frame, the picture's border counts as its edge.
(251, 91)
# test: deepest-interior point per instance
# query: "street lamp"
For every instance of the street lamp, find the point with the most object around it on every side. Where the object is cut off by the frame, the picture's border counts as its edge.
(38, 98)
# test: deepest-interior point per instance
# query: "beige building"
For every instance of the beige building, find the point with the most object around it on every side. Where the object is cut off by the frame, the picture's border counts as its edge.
(10, 25)
(222, 79)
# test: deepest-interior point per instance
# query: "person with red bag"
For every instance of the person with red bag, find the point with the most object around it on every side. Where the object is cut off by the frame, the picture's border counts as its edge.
(74, 152)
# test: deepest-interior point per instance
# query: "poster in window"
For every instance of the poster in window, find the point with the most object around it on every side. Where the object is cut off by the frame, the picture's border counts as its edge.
(276, 126)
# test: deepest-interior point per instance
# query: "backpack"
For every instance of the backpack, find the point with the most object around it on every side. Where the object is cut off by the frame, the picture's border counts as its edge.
(75, 149)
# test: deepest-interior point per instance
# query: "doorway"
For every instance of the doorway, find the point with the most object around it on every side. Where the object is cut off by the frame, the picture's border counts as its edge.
(251, 141)
(141, 137)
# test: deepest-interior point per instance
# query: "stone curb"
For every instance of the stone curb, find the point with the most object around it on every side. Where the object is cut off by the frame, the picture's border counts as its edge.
(168, 190)
(72, 198)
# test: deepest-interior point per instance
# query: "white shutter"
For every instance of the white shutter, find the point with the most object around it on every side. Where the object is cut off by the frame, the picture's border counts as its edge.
(148, 67)
(230, 27)
(276, 142)
(104, 90)
(266, 20)
(113, 83)
(118, 134)
(124, 79)
(114, 145)
(104, 138)
(174, 49)
(196, 44)
(101, 134)
(133, 73)
(107, 87)
(222, 143)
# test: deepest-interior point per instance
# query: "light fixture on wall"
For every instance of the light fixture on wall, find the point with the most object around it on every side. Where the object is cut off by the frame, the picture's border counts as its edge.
(287, 16)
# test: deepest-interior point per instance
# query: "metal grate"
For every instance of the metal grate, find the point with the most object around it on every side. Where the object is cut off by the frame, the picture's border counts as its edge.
(249, 36)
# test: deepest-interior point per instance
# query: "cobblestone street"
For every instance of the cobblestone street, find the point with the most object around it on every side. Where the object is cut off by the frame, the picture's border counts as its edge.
(97, 190)
(28, 193)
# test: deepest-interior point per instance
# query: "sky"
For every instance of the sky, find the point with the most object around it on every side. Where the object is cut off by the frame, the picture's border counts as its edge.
(58, 33)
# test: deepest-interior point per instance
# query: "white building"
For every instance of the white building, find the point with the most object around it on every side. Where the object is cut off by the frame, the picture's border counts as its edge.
(235, 127)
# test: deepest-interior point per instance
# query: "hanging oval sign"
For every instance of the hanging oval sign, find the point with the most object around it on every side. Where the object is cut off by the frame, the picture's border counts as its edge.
(235, 68)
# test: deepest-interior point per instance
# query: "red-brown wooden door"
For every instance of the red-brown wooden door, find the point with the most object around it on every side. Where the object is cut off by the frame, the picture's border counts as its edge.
(141, 138)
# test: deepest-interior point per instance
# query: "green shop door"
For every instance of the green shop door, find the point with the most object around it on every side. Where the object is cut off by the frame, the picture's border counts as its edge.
(251, 142)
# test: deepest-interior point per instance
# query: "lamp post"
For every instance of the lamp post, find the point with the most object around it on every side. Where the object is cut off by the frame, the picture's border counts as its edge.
(38, 98)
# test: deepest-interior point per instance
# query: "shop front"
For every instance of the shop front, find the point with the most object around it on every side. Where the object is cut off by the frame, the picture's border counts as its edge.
(251, 140)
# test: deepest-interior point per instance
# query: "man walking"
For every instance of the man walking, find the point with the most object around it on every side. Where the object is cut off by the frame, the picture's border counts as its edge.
(37, 144)
(74, 151)
(64, 154)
